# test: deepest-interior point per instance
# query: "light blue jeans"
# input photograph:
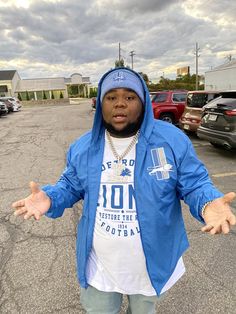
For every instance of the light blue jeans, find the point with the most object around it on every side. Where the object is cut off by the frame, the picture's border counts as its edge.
(99, 302)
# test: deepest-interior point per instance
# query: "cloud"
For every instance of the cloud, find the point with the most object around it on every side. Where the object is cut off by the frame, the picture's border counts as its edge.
(57, 38)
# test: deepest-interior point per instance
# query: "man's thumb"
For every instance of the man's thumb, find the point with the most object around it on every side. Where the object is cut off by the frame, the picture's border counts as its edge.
(34, 187)
(229, 197)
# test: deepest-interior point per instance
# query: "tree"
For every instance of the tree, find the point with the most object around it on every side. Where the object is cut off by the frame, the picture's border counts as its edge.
(19, 97)
(145, 77)
(61, 95)
(93, 92)
(27, 96)
(52, 95)
(44, 95)
(120, 63)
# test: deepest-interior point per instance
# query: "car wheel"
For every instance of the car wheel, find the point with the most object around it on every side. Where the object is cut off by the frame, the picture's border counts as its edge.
(216, 145)
(167, 117)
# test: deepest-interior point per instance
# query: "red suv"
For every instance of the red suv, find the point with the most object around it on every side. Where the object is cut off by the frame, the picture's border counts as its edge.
(168, 105)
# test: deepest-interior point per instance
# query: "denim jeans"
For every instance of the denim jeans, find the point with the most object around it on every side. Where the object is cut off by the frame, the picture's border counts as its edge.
(99, 302)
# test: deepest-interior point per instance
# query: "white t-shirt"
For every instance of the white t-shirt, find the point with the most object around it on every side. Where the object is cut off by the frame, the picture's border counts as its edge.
(117, 262)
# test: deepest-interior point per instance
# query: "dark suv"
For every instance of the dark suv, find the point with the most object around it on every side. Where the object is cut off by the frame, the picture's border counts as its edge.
(168, 105)
(218, 124)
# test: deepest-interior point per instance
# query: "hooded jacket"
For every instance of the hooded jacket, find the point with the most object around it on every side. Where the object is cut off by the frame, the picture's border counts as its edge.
(167, 171)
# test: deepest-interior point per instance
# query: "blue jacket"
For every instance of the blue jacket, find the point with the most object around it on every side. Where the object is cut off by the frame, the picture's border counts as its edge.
(167, 171)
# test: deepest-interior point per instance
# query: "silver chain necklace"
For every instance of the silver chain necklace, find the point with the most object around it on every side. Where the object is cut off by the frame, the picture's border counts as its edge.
(128, 149)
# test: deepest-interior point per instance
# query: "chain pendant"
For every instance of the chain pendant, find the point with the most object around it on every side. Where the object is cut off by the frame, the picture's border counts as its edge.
(118, 168)
(116, 175)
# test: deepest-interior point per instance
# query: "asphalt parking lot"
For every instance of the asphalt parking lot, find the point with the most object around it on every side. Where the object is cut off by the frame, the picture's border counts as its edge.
(37, 259)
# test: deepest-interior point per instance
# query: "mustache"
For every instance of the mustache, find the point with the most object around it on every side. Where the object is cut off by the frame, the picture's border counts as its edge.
(129, 130)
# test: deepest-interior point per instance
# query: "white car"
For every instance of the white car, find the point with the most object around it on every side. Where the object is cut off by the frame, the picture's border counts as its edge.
(14, 101)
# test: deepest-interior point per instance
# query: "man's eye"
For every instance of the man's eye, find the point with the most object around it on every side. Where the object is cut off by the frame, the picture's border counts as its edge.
(130, 97)
(110, 97)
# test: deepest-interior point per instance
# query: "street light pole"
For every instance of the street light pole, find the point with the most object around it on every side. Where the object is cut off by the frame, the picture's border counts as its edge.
(197, 56)
(132, 54)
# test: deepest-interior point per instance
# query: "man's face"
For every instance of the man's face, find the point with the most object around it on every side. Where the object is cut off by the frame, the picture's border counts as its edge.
(122, 111)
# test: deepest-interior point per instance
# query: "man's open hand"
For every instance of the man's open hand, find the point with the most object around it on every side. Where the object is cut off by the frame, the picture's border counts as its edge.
(36, 204)
(218, 215)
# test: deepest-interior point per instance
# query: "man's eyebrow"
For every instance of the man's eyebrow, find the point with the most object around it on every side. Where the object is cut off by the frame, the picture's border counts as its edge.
(130, 90)
(111, 91)
(114, 90)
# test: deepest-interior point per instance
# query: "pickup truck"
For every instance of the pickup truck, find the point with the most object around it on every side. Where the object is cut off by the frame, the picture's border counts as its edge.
(168, 105)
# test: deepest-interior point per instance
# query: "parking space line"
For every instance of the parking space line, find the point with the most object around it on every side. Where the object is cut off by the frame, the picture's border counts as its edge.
(229, 174)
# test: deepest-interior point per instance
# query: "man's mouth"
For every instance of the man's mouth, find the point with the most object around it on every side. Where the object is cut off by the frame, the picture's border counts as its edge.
(119, 116)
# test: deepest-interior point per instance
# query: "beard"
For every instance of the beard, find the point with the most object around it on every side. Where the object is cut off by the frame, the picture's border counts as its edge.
(130, 129)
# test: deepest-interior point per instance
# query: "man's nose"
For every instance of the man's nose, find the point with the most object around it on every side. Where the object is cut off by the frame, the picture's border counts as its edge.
(120, 102)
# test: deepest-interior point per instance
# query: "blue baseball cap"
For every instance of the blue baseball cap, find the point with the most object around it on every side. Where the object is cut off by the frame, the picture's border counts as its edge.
(122, 78)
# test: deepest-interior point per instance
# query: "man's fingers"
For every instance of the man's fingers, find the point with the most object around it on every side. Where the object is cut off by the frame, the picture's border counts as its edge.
(207, 228)
(229, 197)
(28, 215)
(225, 227)
(37, 215)
(19, 203)
(34, 187)
(20, 211)
(232, 220)
(211, 229)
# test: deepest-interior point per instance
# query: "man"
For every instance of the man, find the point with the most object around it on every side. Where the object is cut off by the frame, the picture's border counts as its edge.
(131, 172)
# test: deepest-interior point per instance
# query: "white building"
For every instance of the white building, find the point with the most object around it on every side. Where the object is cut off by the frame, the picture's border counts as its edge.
(222, 77)
(8, 82)
(43, 88)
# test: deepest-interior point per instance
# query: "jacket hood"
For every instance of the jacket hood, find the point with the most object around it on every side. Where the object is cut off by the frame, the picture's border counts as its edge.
(148, 120)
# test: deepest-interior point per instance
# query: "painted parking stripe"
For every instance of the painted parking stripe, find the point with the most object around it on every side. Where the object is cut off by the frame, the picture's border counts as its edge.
(219, 175)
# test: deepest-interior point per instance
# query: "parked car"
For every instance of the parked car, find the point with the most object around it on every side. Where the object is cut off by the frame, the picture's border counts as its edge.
(94, 99)
(9, 104)
(3, 109)
(168, 105)
(218, 124)
(15, 101)
(191, 117)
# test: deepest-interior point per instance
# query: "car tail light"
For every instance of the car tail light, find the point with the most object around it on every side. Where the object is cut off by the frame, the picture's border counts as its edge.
(230, 112)
(195, 121)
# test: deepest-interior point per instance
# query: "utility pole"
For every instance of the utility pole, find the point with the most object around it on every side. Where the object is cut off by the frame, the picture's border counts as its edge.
(119, 53)
(197, 56)
(132, 54)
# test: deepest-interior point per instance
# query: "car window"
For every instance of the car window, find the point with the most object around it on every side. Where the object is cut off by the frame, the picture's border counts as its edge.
(152, 96)
(159, 97)
(212, 96)
(197, 100)
(179, 97)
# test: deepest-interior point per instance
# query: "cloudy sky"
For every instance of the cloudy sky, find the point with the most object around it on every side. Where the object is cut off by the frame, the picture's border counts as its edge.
(57, 37)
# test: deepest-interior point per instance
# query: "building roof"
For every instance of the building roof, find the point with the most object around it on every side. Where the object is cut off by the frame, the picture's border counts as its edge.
(227, 65)
(7, 75)
(41, 84)
(86, 79)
